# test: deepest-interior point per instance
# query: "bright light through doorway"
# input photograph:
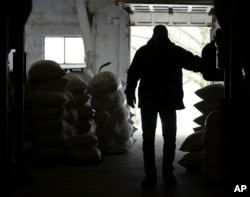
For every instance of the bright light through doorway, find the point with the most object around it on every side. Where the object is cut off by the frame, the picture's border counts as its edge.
(192, 39)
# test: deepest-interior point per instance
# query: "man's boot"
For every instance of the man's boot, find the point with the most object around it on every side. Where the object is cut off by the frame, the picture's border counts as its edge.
(169, 178)
(150, 180)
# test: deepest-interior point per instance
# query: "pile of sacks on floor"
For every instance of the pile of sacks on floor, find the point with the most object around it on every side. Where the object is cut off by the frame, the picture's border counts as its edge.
(74, 116)
(211, 96)
(203, 147)
(112, 115)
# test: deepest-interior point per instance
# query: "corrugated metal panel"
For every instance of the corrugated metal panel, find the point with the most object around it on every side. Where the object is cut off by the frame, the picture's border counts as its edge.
(169, 14)
(188, 2)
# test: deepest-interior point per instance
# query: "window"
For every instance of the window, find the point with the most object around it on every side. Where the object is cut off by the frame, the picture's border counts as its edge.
(65, 50)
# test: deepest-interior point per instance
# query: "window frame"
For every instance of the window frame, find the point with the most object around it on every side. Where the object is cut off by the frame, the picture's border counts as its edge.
(64, 64)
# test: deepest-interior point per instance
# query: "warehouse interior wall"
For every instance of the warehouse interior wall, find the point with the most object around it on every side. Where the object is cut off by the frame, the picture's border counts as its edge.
(107, 23)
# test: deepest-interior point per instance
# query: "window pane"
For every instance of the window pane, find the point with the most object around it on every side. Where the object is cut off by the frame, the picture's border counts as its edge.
(54, 49)
(74, 51)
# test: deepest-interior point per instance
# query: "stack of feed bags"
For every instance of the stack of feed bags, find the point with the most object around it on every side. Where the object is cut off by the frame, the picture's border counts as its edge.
(203, 150)
(212, 153)
(48, 100)
(61, 128)
(81, 112)
(193, 148)
(82, 147)
(114, 130)
(211, 96)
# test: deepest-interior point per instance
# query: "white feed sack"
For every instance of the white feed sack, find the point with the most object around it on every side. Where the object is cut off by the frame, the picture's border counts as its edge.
(75, 82)
(44, 70)
(212, 96)
(53, 127)
(115, 138)
(80, 98)
(119, 132)
(44, 99)
(80, 141)
(206, 106)
(211, 140)
(200, 120)
(102, 118)
(212, 155)
(192, 160)
(52, 134)
(73, 117)
(86, 75)
(104, 83)
(82, 148)
(120, 114)
(211, 92)
(50, 85)
(114, 147)
(49, 141)
(213, 121)
(123, 131)
(51, 113)
(84, 155)
(193, 142)
(78, 88)
(86, 114)
(106, 135)
(193, 147)
(109, 102)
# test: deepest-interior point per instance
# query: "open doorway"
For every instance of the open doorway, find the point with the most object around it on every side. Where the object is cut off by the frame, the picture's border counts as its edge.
(192, 39)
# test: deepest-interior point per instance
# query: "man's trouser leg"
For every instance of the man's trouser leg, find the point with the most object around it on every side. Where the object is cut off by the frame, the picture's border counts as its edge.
(149, 121)
(168, 119)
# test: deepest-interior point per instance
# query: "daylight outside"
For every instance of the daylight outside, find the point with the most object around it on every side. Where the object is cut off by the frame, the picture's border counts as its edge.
(192, 39)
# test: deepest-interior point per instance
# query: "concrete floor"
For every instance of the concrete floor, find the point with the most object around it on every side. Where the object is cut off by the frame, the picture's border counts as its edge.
(121, 175)
(116, 176)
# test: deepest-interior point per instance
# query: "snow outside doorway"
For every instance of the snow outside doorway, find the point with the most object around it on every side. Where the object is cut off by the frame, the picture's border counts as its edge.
(192, 39)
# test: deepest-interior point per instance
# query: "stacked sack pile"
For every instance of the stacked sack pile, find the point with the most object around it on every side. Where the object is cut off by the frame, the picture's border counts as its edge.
(192, 147)
(48, 112)
(112, 116)
(211, 96)
(212, 167)
(83, 146)
(202, 146)
(54, 118)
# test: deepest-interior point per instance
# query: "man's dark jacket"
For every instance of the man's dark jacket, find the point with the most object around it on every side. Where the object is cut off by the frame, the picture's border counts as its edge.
(158, 66)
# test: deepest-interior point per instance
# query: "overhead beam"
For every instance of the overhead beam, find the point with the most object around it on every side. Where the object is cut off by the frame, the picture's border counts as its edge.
(84, 24)
(189, 2)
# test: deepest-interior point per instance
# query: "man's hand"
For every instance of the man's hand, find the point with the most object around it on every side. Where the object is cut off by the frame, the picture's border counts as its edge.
(131, 100)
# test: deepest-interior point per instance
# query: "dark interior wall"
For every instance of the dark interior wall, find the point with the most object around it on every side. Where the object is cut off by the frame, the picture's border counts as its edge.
(3, 100)
(235, 112)
(13, 17)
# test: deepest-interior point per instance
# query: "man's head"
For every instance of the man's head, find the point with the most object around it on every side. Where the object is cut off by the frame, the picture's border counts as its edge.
(160, 31)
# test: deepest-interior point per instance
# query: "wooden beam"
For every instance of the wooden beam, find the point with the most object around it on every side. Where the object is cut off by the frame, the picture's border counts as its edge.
(84, 24)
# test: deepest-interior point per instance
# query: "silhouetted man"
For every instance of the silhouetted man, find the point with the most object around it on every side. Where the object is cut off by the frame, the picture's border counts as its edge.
(158, 66)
